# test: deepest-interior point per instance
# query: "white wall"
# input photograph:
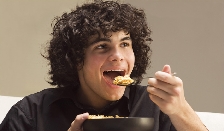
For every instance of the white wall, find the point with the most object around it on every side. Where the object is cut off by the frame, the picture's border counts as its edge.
(188, 35)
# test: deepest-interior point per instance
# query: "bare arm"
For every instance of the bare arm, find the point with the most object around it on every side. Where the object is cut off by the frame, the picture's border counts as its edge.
(187, 120)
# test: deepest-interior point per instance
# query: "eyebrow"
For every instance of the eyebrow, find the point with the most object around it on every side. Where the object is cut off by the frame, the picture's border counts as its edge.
(108, 40)
(126, 38)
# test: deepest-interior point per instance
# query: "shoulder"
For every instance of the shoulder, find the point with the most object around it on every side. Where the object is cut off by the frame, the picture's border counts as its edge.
(38, 97)
(23, 114)
(40, 100)
(46, 96)
(26, 113)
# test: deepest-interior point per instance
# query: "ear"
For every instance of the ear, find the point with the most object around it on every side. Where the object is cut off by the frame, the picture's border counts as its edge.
(79, 66)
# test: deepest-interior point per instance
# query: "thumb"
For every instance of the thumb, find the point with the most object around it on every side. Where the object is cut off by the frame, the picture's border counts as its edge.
(77, 123)
(167, 69)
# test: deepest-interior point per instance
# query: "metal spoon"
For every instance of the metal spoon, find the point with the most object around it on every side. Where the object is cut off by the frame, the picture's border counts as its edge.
(127, 84)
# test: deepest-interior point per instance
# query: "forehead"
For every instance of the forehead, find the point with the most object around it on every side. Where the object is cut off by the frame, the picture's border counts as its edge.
(92, 39)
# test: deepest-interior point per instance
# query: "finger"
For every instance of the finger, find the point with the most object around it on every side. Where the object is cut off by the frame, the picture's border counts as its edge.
(158, 92)
(157, 100)
(164, 74)
(77, 123)
(164, 96)
(164, 106)
(167, 69)
(168, 78)
(166, 87)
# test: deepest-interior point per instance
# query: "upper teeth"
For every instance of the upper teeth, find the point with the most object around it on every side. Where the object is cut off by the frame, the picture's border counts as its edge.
(114, 70)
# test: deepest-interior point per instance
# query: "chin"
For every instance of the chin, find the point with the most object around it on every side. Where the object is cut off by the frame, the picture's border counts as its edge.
(115, 98)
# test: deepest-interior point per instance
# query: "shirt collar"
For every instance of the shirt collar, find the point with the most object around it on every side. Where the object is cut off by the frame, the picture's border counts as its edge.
(69, 92)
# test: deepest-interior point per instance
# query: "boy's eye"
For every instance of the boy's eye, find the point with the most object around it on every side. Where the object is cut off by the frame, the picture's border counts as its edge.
(124, 44)
(101, 46)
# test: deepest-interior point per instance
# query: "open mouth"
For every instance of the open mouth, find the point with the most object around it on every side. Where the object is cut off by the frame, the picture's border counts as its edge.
(111, 74)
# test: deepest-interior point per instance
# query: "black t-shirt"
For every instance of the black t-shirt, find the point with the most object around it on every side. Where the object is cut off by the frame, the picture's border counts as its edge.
(54, 109)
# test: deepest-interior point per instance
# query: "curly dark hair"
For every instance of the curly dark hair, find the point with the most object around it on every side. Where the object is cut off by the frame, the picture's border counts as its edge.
(72, 30)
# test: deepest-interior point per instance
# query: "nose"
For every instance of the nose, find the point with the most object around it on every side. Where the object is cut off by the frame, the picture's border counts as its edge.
(116, 55)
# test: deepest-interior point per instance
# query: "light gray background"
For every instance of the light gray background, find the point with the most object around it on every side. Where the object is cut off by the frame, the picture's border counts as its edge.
(188, 35)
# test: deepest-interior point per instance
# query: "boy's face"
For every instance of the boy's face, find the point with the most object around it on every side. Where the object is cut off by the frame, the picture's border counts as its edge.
(105, 59)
